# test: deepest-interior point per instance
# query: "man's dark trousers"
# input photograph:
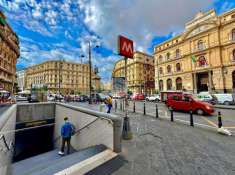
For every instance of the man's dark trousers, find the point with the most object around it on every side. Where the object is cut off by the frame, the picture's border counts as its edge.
(67, 141)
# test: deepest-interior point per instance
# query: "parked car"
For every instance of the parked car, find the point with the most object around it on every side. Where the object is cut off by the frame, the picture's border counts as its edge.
(155, 98)
(186, 102)
(137, 96)
(207, 97)
(21, 98)
(33, 98)
(84, 98)
(226, 99)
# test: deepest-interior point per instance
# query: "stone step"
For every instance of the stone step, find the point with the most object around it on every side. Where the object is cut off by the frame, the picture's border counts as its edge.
(50, 163)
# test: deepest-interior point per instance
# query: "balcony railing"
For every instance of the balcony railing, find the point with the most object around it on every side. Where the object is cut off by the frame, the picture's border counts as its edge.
(198, 49)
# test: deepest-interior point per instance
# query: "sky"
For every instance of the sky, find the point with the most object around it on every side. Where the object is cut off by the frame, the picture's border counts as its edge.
(61, 29)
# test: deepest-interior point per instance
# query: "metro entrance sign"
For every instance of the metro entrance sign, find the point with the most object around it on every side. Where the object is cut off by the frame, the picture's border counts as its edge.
(125, 47)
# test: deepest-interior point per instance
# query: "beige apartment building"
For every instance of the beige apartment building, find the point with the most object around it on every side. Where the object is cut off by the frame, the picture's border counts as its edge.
(74, 77)
(202, 58)
(140, 74)
(9, 52)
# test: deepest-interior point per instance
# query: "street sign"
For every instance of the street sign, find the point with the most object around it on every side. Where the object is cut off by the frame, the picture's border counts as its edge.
(125, 47)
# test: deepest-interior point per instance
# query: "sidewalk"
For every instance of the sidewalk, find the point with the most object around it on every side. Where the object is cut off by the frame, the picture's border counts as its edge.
(164, 148)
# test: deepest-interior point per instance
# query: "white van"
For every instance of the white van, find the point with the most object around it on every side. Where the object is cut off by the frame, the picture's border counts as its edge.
(226, 99)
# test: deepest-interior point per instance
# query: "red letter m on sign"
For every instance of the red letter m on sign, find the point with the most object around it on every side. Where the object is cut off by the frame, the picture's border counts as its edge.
(125, 47)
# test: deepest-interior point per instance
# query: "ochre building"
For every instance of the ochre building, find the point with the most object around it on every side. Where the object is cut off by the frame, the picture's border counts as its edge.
(140, 74)
(9, 52)
(74, 77)
(202, 58)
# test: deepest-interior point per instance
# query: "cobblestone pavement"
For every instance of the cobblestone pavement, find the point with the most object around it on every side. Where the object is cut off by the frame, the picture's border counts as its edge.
(165, 148)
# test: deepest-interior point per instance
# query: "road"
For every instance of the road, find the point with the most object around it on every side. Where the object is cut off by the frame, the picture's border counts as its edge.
(228, 115)
(166, 148)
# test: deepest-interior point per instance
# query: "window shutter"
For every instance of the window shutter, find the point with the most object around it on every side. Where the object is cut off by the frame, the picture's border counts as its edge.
(2, 21)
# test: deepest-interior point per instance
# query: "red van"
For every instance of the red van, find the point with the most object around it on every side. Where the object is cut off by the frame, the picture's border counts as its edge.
(186, 102)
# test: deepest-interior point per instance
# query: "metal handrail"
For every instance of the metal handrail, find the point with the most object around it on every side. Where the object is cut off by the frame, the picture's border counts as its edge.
(79, 130)
(2, 137)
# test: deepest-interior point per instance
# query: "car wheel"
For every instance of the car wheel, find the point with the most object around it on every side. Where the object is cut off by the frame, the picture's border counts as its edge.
(200, 112)
(226, 103)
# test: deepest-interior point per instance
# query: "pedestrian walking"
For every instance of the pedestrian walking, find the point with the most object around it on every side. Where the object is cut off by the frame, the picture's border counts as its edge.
(109, 103)
(67, 131)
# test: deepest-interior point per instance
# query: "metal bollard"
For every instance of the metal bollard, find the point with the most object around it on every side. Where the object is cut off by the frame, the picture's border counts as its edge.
(172, 117)
(191, 118)
(220, 124)
(115, 105)
(134, 106)
(144, 109)
(120, 105)
(123, 105)
(126, 131)
(157, 111)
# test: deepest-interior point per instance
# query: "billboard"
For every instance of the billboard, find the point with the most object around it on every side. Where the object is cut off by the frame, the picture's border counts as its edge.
(118, 84)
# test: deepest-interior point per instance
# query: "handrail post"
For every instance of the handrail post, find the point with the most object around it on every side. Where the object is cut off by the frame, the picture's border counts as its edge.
(172, 115)
(144, 109)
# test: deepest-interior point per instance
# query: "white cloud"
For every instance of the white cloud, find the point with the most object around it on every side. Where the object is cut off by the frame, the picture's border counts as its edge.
(139, 20)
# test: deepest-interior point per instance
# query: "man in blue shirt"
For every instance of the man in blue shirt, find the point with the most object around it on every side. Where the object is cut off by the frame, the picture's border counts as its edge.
(66, 133)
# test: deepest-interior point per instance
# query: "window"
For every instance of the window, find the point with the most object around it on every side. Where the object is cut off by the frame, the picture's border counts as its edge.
(168, 56)
(200, 45)
(160, 70)
(169, 84)
(161, 85)
(178, 67)
(178, 83)
(233, 34)
(177, 53)
(169, 69)
(160, 58)
(233, 55)
(202, 61)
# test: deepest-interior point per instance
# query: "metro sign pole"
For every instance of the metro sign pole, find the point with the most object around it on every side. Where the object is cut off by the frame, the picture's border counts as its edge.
(126, 49)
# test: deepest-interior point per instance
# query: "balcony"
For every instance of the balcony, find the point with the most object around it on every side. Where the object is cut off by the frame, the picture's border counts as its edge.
(199, 49)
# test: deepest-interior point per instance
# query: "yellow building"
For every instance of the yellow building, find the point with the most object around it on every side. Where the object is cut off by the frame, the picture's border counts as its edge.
(140, 73)
(202, 58)
(74, 77)
(9, 52)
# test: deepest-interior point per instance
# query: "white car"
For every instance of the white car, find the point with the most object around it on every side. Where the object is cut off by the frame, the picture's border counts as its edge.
(155, 98)
(226, 99)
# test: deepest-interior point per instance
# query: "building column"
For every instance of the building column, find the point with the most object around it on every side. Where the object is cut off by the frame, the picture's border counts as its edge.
(210, 81)
(194, 83)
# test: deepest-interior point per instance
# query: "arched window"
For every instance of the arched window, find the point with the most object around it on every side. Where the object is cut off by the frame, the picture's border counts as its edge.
(200, 45)
(233, 78)
(161, 85)
(168, 55)
(178, 67)
(160, 58)
(169, 84)
(233, 34)
(160, 70)
(233, 54)
(202, 61)
(169, 69)
(177, 53)
(178, 82)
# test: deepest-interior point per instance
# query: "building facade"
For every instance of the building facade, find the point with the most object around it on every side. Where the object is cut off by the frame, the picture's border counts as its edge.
(140, 74)
(9, 52)
(202, 58)
(21, 79)
(74, 77)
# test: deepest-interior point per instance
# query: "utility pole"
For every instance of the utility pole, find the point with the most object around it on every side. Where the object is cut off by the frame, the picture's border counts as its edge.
(158, 76)
(90, 101)
(126, 87)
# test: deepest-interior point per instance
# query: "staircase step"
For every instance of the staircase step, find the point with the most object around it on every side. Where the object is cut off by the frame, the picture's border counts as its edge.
(89, 164)
(51, 163)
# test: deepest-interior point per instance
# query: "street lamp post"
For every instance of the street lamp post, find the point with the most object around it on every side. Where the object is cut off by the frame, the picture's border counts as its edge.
(90, 70)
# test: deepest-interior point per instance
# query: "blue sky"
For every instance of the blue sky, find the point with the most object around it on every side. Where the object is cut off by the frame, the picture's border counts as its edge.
(53, 29)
